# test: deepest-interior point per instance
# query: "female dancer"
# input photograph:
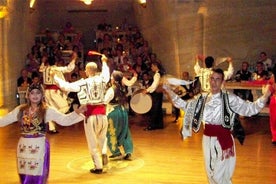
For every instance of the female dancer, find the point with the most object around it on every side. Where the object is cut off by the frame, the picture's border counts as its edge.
(118, 133)
(33, 156)
(272, 106)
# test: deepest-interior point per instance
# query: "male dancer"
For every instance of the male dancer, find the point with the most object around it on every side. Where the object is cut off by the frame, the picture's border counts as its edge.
(91, 92)
(54, 96)
(216, 111)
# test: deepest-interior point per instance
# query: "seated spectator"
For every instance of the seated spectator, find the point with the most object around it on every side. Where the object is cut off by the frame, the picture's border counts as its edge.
(266, 61)
(118, 59)
(261, 73)
(244, 75)
(32, 63)
(36, 79)
(24, 80)
(125, 66)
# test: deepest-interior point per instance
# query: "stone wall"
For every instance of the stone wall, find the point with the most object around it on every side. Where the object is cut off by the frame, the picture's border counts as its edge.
(180, 29)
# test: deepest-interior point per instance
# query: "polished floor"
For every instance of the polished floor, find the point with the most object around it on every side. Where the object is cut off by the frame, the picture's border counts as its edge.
(160, 156)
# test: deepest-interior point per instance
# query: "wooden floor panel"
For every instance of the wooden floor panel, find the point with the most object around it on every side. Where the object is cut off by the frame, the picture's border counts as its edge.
(160, 156)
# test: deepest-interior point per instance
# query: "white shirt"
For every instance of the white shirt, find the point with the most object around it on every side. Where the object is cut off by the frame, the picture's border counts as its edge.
(155, 83)
(204, 74)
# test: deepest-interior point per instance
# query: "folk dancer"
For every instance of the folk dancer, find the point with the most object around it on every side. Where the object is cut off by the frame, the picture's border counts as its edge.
(204, 72)
(54, 96)
(118, 133)
(216, 111)
(91, 92)
(33, 149)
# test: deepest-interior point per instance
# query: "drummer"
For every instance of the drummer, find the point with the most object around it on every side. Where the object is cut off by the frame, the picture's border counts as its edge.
(156, 113)
(129, 82)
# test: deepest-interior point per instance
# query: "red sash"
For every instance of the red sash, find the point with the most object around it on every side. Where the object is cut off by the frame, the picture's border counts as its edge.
(54, 87)
(95, 110)
(224, 138)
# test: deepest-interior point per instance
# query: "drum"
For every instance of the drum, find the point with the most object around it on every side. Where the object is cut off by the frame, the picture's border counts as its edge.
(140, 103)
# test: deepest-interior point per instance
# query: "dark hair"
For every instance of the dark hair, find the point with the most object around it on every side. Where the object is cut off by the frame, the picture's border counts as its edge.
(209, 61)
(51, 61)
(119, 88)
(264, 53)
(35, 74)
(219, 71)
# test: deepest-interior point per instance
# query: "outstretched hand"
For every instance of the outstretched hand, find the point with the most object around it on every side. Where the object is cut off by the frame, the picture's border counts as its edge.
(104, 58)
(229, 59)
(82, 109)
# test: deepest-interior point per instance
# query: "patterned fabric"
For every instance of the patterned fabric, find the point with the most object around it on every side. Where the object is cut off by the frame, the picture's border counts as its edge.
(30, 155)
(118, 133)
(92, 91)
(43, 166)
(31, 124)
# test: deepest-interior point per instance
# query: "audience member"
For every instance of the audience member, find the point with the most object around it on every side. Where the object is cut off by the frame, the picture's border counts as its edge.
(244, 75)
(266, 61)
(24, 80)
(261, 73)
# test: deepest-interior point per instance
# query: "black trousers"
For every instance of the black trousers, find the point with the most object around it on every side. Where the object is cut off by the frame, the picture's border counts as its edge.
(156, 112)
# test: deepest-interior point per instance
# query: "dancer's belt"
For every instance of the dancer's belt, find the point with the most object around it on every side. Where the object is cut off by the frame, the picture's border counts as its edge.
(95, 110)
(223, 135)
(54, 87)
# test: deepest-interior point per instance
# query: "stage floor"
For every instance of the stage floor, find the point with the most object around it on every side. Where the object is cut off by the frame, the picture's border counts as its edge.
(160, 156)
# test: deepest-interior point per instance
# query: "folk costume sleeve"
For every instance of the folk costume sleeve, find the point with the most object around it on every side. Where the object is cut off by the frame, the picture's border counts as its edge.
(9, 118)
(62, 119)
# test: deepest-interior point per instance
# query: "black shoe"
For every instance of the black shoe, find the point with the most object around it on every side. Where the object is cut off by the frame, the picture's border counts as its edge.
(115, 155)
(104, 159)
(96, 171)
(274, 143)
(53, 132)
(127, 157)
(149, 128)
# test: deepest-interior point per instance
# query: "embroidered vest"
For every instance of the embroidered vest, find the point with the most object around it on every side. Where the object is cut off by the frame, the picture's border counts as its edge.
(93, 91)
(194, 112)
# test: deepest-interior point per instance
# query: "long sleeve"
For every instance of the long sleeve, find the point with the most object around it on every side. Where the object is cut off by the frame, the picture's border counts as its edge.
(130, 82)
(9, 118)
(214, 107)
(246, 108)
(175, 99)
(109, 95)
(42, 67)
(105, 74)
(66, 86)
(155, 83)
(62, 119)
(230, 71)
(198, 69)
(66, 69)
